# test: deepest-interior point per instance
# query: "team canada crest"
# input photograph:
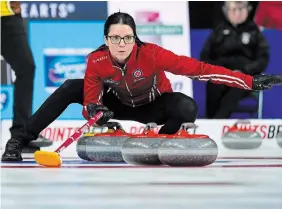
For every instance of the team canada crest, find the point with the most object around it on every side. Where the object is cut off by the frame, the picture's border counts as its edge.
(137, 75)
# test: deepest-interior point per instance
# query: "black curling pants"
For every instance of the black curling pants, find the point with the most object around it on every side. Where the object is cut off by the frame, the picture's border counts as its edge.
(170, 109)
(16, 51)
(222, 100)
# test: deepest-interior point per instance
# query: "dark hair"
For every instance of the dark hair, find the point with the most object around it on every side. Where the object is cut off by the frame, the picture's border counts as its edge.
(120, 18)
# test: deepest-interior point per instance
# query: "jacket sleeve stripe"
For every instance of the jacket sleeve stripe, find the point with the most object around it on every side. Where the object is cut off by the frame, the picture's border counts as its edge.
(224, 78)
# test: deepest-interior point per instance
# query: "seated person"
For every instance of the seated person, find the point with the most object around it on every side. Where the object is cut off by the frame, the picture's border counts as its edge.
(236, 44)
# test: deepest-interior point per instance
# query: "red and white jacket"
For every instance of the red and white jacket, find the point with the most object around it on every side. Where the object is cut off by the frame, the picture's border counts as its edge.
(143, 79)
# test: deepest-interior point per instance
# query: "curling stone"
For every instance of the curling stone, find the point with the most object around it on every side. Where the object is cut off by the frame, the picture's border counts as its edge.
(184, 149)
(242, 136)
(103, 146)
(81, 148)
(279, 139)
(82, 141)
(142, 149)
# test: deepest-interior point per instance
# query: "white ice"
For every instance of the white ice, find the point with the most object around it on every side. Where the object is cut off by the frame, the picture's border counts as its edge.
(108, 187)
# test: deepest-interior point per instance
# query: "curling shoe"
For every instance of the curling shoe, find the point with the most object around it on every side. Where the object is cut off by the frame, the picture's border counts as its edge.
(13, 151)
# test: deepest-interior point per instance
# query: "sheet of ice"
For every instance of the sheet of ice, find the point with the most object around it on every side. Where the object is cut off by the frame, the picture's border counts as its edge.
(227, 184)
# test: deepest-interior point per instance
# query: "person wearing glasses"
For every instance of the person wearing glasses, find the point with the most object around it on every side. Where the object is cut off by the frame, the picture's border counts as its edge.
(125, 78)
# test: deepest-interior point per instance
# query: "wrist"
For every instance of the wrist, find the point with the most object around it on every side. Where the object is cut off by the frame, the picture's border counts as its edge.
(249, 81)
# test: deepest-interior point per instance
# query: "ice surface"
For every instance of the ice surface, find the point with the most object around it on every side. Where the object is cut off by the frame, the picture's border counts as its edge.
(226, 184)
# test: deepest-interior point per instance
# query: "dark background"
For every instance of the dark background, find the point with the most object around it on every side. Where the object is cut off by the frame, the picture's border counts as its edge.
(207, 14)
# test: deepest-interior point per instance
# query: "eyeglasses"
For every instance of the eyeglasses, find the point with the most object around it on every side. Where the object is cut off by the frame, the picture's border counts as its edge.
(239, 9)
(126, 39)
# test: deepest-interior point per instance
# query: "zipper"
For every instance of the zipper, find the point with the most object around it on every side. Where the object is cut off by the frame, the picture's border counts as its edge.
(155, 85)
(153, 94)
(122, 72)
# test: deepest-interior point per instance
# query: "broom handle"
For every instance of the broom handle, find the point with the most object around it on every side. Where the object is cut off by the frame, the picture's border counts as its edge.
(79, 132)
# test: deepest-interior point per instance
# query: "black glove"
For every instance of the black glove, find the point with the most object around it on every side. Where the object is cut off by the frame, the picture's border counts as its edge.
(93, 109)
(264, 82)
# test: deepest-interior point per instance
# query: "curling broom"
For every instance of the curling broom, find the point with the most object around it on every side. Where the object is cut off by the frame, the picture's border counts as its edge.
(53, 159)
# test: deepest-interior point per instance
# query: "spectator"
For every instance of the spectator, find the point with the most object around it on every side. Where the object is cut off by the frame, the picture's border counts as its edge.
(237, 44)
(16, 51)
